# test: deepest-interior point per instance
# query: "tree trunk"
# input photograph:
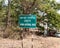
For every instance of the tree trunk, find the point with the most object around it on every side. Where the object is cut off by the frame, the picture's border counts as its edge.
(8, 16)
(8, 19)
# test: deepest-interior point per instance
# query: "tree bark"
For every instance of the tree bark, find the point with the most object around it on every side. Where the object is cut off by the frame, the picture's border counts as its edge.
(8, 19)
(8, 16)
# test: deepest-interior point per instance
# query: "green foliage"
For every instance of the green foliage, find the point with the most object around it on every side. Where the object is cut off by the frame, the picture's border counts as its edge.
(49, 7)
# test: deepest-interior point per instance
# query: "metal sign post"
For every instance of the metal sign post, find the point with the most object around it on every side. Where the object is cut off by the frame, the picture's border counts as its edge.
(26, 22)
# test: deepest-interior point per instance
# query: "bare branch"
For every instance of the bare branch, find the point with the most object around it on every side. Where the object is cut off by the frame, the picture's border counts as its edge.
(33, 3)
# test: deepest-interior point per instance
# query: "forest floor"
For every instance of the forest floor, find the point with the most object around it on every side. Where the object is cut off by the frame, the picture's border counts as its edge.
(28, 42)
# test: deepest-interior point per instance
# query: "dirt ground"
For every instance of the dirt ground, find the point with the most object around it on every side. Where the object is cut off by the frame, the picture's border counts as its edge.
(37, 42)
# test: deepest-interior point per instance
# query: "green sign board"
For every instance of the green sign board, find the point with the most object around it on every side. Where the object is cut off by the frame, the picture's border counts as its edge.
(27, 21)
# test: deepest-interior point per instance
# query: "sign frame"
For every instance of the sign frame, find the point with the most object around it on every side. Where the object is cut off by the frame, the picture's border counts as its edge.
(27, 21)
